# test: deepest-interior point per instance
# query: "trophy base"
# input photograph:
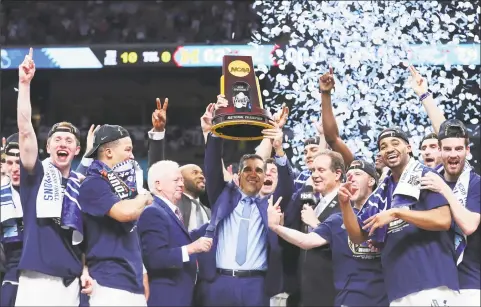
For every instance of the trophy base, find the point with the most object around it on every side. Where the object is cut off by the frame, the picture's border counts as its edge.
(240, 127)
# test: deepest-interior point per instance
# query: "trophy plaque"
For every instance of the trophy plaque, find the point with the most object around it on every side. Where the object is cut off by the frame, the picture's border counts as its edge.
(244, 118)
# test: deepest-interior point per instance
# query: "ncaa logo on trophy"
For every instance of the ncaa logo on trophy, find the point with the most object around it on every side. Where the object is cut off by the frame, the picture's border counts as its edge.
(244, 118)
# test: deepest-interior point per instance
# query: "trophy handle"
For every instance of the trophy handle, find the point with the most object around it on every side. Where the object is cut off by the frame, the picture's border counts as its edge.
(222, 86)
(258, 92)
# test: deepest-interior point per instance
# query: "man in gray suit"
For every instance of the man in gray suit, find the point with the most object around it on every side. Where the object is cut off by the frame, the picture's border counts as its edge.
(194, 212)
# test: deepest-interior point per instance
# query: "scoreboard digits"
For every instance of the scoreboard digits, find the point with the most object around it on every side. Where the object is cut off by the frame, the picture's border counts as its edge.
(180, 56)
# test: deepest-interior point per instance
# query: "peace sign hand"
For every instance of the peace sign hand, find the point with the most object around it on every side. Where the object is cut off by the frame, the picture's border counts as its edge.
(274, 215)
(159, 116)
(26, 70)
(418, 83)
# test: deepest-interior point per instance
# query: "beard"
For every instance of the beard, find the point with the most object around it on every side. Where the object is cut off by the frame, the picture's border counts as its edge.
(192, 187)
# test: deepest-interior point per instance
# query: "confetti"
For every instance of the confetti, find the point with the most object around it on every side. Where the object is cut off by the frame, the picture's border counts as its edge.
(368, 45)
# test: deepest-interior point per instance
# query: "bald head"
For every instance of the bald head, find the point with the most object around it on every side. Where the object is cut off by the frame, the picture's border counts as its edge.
(194, 180)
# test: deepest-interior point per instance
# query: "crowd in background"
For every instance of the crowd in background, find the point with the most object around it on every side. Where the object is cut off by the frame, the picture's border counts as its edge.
(89, 22)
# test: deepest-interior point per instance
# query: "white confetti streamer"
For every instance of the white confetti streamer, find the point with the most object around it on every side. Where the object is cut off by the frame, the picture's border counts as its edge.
(366, 43)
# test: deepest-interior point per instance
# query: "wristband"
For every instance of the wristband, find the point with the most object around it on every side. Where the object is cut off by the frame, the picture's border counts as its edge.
(424, 96)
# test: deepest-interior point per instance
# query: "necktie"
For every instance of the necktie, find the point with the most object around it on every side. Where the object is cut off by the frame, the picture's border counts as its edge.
(179, 215)
(241, 251)
(198, 213)
(320, 207)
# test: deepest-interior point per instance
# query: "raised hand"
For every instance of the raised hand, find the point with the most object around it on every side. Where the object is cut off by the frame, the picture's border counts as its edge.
(274, 215)
(26, 70)
(280, 117)
(206, 118)
(159, 116)
(326, 81)
(90, 138)
(345, 192)
(318, 126)
(418, 83)
(221, 102)
(274, 134)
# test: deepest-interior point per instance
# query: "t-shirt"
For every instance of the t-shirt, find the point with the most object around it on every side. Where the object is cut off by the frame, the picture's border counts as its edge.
(113, 253)
(414, 259)
(358, 276)
(469, 270)
(47, 247)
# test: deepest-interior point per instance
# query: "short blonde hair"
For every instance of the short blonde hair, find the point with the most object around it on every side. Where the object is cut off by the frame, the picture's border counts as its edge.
(159, 170)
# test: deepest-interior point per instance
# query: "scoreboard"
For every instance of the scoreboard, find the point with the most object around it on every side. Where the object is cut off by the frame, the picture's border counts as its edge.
(164, 55)
(94, 57)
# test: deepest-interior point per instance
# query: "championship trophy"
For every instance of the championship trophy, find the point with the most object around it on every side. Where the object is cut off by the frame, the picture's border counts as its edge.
(244, 118)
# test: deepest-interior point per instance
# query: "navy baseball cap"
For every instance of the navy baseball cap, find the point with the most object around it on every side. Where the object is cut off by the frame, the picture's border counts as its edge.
(106, 134)
(452, 128)
(394, 132)
(365, 166)
(64, 127)
(11, 143)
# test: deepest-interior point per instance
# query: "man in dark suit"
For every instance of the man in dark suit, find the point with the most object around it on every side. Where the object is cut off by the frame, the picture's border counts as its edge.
(194, 212)
(314, 273)
(244, 266)
(168, 249)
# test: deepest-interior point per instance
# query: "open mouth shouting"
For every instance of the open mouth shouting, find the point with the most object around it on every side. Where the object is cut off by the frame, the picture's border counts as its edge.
(62, 155)
(454, 164)
(429, 160)
(268, 182)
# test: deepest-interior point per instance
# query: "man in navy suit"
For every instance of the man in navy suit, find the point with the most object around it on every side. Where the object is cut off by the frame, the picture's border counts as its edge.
(169, 251)
(244, 266)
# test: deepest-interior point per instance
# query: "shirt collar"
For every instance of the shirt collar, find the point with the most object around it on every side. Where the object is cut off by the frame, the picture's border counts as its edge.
(170, 204)
(190, 197)
(330, 196)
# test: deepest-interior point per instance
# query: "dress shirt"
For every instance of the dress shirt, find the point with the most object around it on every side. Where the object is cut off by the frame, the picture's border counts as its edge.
(228, 231)
(193, 213)
(185, 254)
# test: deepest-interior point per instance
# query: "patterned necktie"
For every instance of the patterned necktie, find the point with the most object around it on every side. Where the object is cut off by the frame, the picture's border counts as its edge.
(198, 213)
(179, 215)
(241, 251)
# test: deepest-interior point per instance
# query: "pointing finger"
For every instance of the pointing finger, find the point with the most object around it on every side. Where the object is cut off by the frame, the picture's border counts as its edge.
(158, 104)
(30, 53)
(331, 71)
(4, 142)
(278, 202)
(166, 104)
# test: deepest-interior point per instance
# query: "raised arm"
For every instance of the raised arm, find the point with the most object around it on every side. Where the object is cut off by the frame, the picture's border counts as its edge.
(214, 175)
(86, 162)
(156, 151)
(264, 150)
(27, 139)
(420, 87)
(331, 131)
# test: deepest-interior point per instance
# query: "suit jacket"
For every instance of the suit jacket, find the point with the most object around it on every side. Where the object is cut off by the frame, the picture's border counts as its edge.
(311, 270)
(156, 151)
(225, 197)
(185, 206)
(162, 235)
